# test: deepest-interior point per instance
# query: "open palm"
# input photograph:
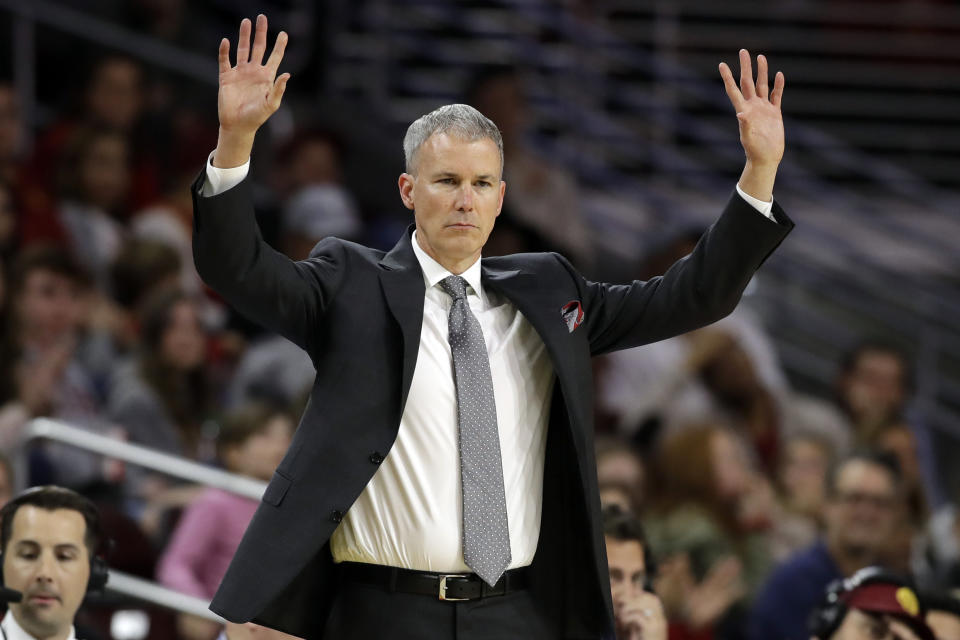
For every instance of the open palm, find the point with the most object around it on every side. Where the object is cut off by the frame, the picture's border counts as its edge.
(758, 109)
(250, 91)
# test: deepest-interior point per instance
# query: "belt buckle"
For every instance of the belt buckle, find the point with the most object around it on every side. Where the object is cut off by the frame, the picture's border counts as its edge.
(442, 594)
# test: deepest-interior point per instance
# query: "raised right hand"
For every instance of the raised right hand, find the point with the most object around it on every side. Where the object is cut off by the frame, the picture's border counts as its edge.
(250, 92)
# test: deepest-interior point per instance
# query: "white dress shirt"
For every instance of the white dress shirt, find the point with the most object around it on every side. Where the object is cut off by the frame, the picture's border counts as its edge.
(409, 514)
(13, 631)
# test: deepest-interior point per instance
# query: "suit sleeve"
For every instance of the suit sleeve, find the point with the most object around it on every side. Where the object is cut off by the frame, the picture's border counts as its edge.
(696, 291)
(284, 296)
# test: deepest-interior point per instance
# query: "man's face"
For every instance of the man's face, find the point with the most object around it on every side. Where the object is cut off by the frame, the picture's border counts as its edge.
(456, 194)
(861, 512)
(46, 559)
(627, 570)
(946, 626)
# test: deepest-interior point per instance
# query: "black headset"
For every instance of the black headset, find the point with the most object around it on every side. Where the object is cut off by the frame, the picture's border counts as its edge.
(826, 618)
(99, 569)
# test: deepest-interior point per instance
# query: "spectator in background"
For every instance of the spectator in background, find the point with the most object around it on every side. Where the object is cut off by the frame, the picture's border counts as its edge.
(873, 386)
(160, 397)
(252, 442)
(943, 614)
(870, 605)
(142, 268)
(638, 612)
(42, 370)
(708, 524)
(543, 196)
(802, 480)
(863, 494)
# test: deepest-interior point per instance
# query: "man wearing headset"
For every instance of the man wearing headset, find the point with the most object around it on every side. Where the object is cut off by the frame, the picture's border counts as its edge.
(872, 604)
(49, 538)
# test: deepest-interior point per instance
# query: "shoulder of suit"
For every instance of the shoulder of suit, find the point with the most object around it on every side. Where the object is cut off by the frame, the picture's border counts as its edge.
(332, 247)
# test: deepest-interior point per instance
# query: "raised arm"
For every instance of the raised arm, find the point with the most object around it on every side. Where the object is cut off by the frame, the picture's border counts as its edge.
(230, 255)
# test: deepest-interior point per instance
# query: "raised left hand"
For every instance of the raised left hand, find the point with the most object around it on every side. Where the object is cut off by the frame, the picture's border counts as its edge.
(758, 110)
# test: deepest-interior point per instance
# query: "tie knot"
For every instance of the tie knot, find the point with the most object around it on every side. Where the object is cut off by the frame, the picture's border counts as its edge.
(455, 286)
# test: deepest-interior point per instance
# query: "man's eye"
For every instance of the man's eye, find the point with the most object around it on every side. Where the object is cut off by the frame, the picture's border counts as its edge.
(445, 180)
(483, 183)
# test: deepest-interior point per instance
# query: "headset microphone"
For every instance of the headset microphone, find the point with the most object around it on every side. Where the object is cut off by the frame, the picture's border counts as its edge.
(10, 595)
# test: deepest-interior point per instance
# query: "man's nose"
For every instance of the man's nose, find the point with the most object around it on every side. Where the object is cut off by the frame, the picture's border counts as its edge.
(465, 198)
(45, 568)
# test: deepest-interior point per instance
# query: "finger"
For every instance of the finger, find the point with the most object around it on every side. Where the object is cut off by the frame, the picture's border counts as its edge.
(746, 74)
(273, 62)
(243, 42)
(730, 85)
(777, 96)
(259, 40)
(223, 57)
(762, 86)
(276, 93)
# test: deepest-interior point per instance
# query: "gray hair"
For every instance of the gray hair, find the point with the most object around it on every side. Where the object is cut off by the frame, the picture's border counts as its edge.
(461, 120)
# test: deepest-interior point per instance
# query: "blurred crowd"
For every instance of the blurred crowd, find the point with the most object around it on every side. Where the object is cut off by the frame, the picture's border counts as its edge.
(752, 497)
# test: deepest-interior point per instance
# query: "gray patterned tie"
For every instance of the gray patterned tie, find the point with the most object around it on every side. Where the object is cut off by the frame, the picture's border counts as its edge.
(486, 538)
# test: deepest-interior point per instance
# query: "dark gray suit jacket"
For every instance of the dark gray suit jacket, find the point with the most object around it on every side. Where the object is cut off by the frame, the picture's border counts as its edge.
(358, 313)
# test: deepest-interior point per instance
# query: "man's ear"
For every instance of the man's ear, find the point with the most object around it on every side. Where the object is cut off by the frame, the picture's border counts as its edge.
(503, 190)
(405, 183)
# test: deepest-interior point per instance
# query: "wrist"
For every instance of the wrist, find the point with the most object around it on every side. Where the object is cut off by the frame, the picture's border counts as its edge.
(757, 179)
(233, 148)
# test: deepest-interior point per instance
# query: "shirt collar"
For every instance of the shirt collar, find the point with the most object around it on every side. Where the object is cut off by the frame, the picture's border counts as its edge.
(15, 632)
(434, 272)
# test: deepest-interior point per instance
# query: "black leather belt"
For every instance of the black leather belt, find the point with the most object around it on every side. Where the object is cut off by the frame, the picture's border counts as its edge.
(445, 586)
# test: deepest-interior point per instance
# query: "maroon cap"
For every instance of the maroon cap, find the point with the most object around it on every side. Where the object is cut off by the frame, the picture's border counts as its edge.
(890, 599)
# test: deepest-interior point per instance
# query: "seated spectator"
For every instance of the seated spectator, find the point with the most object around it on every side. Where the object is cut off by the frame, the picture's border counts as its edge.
(160, 398)
(43, 369)
(801, 479)
(51, 542)
(252, 442)
(870, 605)
(872, 387)
(638, 612)
(943, 613)
(864, 491)
(142, 268)
(708, 523)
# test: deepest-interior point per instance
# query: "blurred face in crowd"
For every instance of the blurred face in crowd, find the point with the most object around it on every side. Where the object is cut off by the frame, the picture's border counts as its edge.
(10, 125)
(115, 94)
(628, 570)
(104, 171)
(945, 625)
(456, 194)
(876, 384)
(262, 452)
(730, 373)
(49, 307)
(900, 441)
(620, 467)
(861, 511)
(184, 343)
(803, 474)
(731, 465)
(47, 560)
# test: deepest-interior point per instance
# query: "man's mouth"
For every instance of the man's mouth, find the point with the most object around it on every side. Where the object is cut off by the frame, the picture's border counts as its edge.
(461, 225)
(43, 598)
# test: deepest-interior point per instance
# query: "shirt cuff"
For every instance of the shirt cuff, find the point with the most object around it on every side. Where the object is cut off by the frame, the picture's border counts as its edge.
(766, 208)
(219, 180)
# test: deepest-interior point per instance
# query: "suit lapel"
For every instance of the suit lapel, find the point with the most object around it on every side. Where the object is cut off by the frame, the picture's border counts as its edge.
(402, 282)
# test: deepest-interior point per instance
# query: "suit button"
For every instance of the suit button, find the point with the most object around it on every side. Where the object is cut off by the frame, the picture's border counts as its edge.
(336, 516)
(376, 457)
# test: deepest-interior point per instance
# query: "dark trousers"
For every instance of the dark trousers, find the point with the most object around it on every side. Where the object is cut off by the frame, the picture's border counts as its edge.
(364, 612)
